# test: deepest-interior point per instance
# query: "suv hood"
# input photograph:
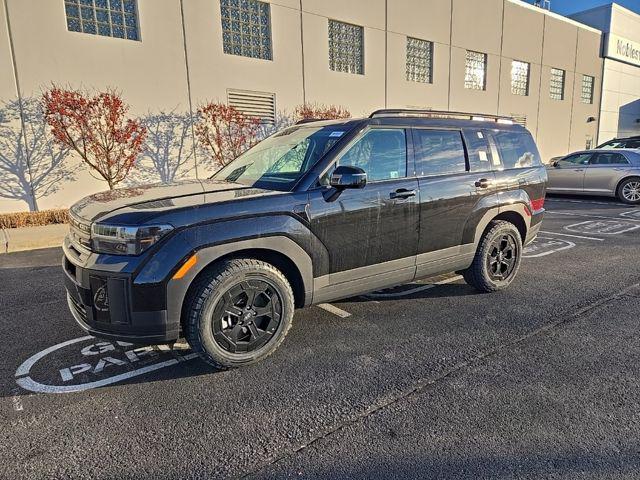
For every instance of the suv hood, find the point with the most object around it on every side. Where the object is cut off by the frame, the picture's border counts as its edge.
(150, 199)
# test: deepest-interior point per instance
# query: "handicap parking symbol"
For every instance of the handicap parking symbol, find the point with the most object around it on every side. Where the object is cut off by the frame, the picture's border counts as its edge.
(603, 227)
(543, 246)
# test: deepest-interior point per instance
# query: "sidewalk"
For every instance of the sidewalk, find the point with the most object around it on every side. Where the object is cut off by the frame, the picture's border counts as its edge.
(29, 238)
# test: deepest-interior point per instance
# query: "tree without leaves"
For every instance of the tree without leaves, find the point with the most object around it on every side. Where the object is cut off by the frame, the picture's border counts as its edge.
(36, 171)
(96, 128)
(319, 111)
(225, 131)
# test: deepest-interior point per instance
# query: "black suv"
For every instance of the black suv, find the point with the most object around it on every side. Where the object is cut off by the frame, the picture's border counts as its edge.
(319, 211)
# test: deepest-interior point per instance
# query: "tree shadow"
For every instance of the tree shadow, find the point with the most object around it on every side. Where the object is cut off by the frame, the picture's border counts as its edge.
(169, 153)
(32, 166)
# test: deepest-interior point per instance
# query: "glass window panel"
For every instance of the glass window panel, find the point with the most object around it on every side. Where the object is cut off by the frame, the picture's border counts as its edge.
(105, 17)
(520, 78)
(250, 18)
(556, 84)
(475, 75)
(587, 89)
(419, 60)
(382, 153)
(480, 158)
(73, 24)
(439, 152)
(517, 150)
(72, 10)
(346, 47)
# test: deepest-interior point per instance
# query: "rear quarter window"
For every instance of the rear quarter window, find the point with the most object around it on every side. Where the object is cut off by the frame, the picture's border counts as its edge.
(517, 149)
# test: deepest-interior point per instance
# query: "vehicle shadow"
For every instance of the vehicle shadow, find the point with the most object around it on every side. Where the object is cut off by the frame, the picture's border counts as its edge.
(415, 291)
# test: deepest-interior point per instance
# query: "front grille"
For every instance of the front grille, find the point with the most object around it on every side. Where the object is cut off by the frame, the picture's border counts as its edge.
(79, 308)
(80, 231)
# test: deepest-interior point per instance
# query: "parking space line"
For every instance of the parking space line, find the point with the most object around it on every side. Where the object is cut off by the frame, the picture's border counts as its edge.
(333, 309)
(593, 202)
(570, 214)
(568, 245)
(574, 236)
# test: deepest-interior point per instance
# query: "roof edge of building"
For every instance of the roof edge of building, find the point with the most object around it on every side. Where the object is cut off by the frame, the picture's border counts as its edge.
(557, 16)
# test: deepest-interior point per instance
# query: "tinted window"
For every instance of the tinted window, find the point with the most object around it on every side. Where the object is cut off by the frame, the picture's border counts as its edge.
(572, 160)
(608, 159)
(632, 143)
(382, 153)
(439, 152)
(517, 150)
(478, 150)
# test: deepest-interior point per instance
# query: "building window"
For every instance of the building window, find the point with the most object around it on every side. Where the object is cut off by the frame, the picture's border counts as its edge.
(520, 78)
(346, 47)
(246, 28)
(110, 18)
(587, 89)
(556, 85)
(419, 60)
(475, 72)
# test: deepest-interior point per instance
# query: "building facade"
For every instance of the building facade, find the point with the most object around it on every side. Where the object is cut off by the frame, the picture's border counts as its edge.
(166, 57)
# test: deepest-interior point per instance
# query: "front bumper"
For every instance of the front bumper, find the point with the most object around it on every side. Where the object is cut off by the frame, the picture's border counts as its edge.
(107, 304)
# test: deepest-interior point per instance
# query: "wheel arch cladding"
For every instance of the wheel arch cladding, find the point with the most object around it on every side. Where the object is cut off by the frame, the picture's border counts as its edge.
(516, 219)
(278, 250)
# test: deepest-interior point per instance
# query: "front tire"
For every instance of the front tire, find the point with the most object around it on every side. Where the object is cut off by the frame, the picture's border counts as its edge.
(238, 312)
(629, 191)
(497, 259)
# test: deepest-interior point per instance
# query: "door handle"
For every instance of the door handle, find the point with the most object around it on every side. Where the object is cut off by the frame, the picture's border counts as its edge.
(402, 193)
(483, 183)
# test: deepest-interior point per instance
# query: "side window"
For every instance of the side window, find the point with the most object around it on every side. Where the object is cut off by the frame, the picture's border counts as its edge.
(609, 159)
(478, 149)
(575, 160)
(439, 152)
(517, 149)
(381, 152)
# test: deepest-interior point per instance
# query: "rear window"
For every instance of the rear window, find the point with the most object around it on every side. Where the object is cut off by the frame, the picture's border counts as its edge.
(517, 149)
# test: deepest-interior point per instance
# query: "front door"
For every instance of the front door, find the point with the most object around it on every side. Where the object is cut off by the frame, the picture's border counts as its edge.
(374, 229)
(567, 174)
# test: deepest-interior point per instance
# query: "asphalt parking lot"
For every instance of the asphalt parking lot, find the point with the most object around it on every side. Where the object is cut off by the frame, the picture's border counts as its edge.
(430, 380)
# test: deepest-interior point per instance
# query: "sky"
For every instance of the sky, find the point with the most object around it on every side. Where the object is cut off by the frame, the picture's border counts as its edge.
(567, 7)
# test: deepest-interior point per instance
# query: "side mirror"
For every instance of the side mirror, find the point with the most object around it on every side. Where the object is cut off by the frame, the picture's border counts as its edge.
(556, 164)
(348, 177)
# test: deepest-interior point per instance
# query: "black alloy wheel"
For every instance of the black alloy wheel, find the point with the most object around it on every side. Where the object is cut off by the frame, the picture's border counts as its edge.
(501, 257)
(247, 316)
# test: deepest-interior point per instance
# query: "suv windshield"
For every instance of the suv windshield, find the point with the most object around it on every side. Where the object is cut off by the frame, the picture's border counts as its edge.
(279, 161)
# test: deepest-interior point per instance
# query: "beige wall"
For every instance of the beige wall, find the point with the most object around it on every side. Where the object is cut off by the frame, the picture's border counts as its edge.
(152, 73)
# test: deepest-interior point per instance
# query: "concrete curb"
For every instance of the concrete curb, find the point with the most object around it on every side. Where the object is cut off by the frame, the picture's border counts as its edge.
(31, 238)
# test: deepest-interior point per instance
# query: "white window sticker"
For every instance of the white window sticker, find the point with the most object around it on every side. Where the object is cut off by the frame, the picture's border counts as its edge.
(336, 134)
(483, 156)
(480, 135)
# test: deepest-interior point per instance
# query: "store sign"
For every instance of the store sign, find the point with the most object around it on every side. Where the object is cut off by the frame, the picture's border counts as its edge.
(620, 48)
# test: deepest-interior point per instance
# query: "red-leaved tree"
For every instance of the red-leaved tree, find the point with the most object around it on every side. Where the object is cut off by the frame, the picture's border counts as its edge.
(96, 127)
(318, 111)
(225, 131)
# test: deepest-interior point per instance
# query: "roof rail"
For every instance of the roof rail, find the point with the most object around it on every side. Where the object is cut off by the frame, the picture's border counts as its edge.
(308, 120)
(405, 112)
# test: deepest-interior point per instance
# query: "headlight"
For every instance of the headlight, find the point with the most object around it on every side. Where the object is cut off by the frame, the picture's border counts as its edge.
(118, 240)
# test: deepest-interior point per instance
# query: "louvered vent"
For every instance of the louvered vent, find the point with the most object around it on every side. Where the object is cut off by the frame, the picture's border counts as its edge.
(519, 119)
(259, 105)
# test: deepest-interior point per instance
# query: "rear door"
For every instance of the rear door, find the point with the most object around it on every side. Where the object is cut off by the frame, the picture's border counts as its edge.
(567, 174)
(604, 171)
(451, 185)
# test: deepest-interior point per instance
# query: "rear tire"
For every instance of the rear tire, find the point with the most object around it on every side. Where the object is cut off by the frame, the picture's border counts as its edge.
(238, 312)
(629, 191)
(497, 258)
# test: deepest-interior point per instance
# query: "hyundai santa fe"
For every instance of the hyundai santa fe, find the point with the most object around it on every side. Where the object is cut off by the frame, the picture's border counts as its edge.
(320, 211)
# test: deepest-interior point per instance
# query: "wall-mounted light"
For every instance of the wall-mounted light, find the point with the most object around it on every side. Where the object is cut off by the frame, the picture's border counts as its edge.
(591, 119)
